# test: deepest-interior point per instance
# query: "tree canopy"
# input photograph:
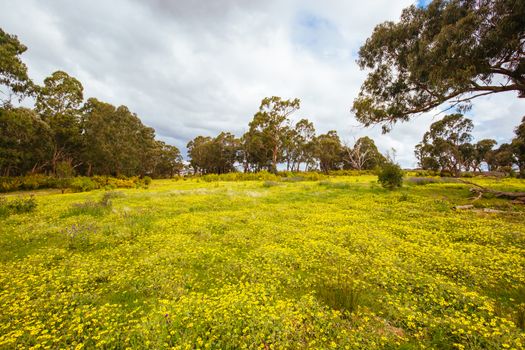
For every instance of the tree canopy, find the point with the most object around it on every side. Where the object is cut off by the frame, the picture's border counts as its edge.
(449, 51)
(13, 72)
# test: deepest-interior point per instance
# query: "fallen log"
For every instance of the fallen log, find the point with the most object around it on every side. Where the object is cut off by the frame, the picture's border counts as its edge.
(517, 197)
(463, 207)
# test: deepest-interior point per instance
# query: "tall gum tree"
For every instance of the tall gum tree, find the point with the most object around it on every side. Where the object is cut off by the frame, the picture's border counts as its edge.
(449, 51)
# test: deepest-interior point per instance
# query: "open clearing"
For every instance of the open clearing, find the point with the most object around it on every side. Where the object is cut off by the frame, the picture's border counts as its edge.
(332, 264)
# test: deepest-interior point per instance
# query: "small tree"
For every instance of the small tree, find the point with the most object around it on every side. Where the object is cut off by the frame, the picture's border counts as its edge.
(391, 176)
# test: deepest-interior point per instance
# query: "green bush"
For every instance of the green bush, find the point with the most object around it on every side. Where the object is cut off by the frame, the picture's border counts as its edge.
(147, 180)
(391, 176)
(82, 184)
(3, 208)
(9, 184)
(18, 205)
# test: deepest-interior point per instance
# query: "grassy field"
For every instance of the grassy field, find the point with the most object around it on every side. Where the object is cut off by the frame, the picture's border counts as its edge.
(335, 264)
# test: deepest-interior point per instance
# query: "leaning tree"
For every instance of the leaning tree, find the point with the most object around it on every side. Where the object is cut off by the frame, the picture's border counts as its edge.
(450, 51)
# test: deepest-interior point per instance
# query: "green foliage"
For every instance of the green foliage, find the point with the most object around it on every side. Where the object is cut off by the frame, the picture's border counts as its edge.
(82, 184)
(391, 176)
(19, 205)
(147, 180)
(444, 146)
(13, 72)
(436, 54)
(329, 151)
(363, 156)
(26, 142)
(518, 147)
(265, 142)
(344, 297)
(214, 155)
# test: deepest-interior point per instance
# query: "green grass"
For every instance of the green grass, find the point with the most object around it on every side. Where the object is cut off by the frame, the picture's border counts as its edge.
(335, 263)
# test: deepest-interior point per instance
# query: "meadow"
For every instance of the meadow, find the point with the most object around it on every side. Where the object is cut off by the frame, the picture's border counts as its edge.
(339, 263)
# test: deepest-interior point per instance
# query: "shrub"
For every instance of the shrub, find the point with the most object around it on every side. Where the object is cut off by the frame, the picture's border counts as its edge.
(82, 184)
(147, 180)
(105, 201)
(391, 176)
(293, 179)
(19, 205)
(3, 208)
(32, 182)
(403, 197)
(9, 184)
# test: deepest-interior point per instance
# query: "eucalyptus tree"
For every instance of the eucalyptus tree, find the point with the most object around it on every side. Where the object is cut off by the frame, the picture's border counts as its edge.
(117, 143)
(329, 151)
(168, 160)
(518, 145)
(14, 80)
(441, 145)
(59, 104)
(25, 142)
(300, 145)
(268, 131)
(449, 51)
(364, 155)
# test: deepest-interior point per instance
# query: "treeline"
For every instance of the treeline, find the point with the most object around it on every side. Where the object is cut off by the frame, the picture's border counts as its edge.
(447, 147)
(273, 139)
(64, 135)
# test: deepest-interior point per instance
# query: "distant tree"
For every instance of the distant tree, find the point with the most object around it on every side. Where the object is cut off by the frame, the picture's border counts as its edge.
(425, 155)
(25, 142)
(518, 145)
(300, 147)
(467, 152)
(199, 153)
(13, 72)
(58, 103)
(482, 150)
(442, 144)
(502, 159)
(168, 160)
(364, 155)
(214, 155)
(329, 151)
(269, 130)
(117, 143)
(450, 50)
(225, 152)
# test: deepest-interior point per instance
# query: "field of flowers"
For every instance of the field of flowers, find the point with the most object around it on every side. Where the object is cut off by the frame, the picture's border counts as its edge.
(339, 263)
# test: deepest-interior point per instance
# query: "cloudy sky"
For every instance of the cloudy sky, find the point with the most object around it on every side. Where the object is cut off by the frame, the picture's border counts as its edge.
(191, 68)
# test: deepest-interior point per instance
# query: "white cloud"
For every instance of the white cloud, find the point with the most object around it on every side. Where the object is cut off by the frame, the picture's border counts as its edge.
(189, 68)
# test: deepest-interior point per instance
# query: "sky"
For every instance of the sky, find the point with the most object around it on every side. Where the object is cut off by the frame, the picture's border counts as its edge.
(190, 68)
